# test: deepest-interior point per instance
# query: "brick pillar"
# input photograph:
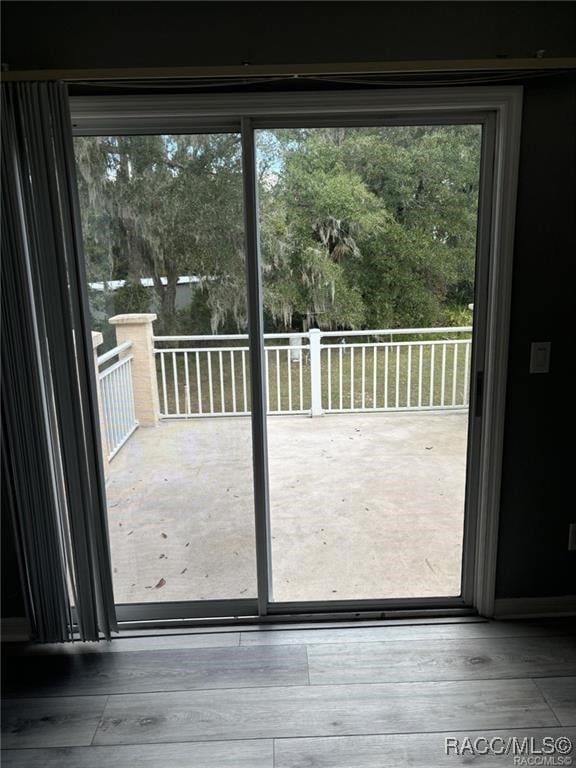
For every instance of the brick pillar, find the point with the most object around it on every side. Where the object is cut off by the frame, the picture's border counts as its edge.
(96, 342)
(138, 330)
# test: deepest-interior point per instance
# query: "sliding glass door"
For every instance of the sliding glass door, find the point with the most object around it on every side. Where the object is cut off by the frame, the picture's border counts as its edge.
(164, 240)
(290, 301)
(368, 251)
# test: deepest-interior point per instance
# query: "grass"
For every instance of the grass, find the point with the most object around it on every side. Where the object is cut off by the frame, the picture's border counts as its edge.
(351, 378)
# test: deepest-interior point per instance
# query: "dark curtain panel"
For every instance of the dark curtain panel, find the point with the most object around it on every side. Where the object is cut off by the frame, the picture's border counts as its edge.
(50, 431)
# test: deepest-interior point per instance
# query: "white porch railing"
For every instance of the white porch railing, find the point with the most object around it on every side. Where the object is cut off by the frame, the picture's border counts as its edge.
(117, 394)
(317, 372)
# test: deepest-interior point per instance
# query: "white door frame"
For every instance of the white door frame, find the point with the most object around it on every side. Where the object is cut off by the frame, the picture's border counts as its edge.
(158, 113)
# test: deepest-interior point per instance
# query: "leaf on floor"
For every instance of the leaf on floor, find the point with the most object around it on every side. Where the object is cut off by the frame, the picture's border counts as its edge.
(164, 535)
(160, 584)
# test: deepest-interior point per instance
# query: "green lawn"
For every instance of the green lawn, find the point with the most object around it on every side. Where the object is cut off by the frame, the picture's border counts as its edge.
(350, 378)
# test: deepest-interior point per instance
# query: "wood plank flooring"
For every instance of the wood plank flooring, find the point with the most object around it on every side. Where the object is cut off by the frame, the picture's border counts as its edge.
(146, 671)
(363, 696)
(560, 694)
(478, 659)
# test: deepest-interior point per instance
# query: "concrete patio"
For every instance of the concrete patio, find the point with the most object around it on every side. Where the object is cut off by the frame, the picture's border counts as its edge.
(362, 506)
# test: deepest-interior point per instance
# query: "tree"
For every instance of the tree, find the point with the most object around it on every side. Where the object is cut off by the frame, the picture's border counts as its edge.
(371, 226)
(165, 206)
(360, 227)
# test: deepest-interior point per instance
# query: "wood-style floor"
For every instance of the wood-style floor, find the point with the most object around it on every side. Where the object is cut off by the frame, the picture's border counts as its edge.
(364, 696)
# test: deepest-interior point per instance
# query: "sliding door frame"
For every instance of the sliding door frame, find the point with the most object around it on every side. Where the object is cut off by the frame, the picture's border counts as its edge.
(258, 367)
(498, 109)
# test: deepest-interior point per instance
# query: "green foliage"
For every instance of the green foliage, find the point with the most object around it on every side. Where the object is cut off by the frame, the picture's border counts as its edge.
(360, 227)
(369, 227)
(197, 317)
(456, 316)
(161, 207)
(131, 298)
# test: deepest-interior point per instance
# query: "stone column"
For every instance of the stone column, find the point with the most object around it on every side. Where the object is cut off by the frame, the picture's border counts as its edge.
(138, 330)
(96, 342)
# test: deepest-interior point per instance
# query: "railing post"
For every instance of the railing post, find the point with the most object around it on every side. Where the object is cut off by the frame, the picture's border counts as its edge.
(315, 373)
(97, 340)
(138, 330)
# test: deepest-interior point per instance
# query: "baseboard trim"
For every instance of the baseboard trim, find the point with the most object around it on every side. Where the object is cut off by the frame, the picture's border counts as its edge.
(15, 630)
(534, 607)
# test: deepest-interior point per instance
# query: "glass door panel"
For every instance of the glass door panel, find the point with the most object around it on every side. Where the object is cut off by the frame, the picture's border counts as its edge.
(163, 235)
(368, 243)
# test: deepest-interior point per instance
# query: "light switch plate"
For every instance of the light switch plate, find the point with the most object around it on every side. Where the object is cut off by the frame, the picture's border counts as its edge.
(540, 356)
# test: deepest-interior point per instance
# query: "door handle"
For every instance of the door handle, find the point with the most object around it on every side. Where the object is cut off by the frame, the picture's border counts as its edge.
(479, 395)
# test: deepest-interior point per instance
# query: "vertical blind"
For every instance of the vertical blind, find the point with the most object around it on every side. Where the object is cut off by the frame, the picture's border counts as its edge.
(50, 454)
